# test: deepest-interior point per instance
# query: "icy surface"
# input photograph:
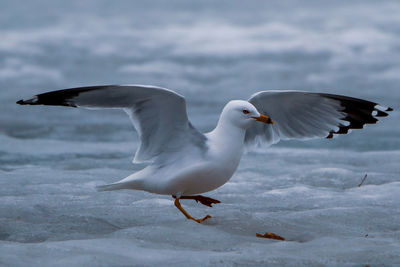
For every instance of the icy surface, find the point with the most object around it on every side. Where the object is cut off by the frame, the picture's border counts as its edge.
(51, 158)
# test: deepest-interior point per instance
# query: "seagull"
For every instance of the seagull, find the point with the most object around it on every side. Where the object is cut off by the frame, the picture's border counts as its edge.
(183, 162)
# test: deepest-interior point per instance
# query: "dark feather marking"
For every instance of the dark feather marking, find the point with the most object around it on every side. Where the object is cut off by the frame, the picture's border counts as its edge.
(342, 130)
(358, 113)
(60, 97)
(381, 114)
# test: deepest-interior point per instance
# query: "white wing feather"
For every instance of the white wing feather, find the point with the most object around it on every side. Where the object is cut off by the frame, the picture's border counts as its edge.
(305, 115)
(158, 114)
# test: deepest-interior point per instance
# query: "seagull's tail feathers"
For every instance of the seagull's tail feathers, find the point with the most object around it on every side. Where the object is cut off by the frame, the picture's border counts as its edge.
(133, 184)
(111, 187)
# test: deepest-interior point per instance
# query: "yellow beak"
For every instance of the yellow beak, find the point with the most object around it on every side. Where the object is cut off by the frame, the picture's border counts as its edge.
(264, 119)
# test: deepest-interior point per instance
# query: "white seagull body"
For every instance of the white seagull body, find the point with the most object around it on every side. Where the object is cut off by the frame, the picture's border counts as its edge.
(183, 162)
(191, 169)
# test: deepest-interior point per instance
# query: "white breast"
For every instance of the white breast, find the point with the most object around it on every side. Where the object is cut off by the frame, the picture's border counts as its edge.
(197, 174)
(221, 161)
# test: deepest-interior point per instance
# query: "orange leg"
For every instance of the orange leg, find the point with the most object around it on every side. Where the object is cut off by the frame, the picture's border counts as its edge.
(178, 205)
(207, 201)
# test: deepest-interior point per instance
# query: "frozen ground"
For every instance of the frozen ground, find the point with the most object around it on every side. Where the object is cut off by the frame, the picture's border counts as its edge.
(51, 158)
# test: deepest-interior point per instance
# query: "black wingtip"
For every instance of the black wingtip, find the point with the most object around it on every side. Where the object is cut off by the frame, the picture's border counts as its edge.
(330, 135)
(381, 114)
(31, 101)
(358, 112)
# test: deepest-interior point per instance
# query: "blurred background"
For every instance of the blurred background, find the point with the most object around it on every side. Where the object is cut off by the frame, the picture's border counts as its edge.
(51, 158)
(211, 52)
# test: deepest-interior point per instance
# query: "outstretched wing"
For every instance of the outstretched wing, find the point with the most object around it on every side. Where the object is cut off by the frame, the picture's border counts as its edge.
(305, 115)
(158, 114)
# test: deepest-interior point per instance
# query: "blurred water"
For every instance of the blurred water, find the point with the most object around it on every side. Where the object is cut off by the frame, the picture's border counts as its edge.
(51, 157)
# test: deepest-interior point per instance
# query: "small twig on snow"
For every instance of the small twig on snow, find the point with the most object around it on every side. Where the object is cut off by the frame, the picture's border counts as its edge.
(362, 181)
(270, 236)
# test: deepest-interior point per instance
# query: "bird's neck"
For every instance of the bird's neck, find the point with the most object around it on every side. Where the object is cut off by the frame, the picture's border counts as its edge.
(227, 140)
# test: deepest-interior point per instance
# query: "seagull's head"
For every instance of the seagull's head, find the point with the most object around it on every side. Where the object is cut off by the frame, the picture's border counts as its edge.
(243, 114)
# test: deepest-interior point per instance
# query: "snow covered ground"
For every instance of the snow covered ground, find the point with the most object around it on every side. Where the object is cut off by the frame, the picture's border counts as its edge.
(51, 158)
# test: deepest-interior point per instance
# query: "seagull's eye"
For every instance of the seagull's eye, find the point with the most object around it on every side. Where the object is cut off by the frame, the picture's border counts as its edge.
(245, 111)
